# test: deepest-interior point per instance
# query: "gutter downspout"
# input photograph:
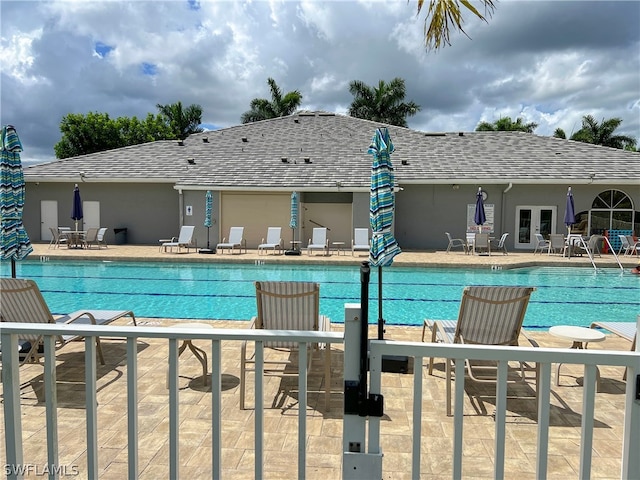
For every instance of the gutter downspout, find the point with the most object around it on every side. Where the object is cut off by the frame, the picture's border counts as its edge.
(502, 206)
(181, 206)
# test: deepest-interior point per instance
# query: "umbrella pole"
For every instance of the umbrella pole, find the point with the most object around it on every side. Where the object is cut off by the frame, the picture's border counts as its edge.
(363, 393)
(13, 268)
(380, 317)
(208, 237)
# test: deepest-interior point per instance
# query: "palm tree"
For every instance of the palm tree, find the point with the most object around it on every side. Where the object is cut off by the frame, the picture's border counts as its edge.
(505, 124)
(182, 122)
(279, 106)
(602, 134)
(446, 14)
(384, 103)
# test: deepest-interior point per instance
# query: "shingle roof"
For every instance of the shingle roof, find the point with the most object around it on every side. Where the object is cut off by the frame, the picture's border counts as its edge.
(250, 156)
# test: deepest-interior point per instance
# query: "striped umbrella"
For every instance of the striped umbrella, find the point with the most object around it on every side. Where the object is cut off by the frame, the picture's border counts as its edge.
(383, 244)
(208, 213)
(293, 223)
(14, 241)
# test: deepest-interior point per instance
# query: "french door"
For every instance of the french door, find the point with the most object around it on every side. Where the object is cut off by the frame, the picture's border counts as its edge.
(531, 220)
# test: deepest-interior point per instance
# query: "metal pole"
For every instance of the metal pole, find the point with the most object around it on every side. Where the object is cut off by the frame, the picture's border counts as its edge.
(380, 317)
(365, 274)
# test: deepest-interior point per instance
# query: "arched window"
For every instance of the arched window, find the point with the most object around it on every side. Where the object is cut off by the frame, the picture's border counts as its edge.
(612, 210)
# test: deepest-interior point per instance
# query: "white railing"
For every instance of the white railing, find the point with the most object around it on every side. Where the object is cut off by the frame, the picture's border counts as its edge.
(354, 426)
(11, 390)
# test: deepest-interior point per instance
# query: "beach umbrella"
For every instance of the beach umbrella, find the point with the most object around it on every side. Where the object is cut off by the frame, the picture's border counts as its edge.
(382, 202)
(76, 208)
(480, 217)
(14, 241)
(569, 211)
(208, 212)
(293, 223)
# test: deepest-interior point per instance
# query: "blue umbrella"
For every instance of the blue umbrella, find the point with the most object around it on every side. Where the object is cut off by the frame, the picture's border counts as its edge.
(480, 217)
(208, 212)
(569, 212)
(14, 241)
(382, 202)
(76, 209)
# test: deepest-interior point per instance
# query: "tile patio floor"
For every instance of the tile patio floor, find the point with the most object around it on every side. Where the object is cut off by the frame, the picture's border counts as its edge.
(324, 442)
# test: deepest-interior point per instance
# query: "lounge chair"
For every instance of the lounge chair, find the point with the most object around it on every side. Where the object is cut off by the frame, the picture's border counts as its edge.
(360, 241)
(57, 237)
(502, 243)
(634, 246)
(626, 330)
(273, 241)
(541, 244)
(22, 302)
(184, 240)
(236, 239)
(319, 241)
(482, 243)
(287, 306)
(488, 316)
(100, 237)
(455, 242)
(624, 244)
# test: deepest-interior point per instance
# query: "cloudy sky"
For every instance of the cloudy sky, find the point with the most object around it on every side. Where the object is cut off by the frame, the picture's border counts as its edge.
(549, 62)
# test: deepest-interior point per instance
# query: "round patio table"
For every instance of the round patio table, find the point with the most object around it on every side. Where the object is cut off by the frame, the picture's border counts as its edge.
(580, 336)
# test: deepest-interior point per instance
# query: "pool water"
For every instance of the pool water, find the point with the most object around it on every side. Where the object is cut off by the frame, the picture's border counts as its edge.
(564, 295)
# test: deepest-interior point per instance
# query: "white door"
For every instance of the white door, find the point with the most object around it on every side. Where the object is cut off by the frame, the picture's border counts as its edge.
(48, 218)
(531, 220)
(91, 214)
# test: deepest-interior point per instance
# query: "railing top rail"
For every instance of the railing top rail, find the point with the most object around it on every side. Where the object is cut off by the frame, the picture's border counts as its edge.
(509, 353)
(143, 331)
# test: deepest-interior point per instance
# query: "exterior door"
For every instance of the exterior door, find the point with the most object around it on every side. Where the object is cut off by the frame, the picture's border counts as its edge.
(48, 218)
(91, 214)
(531, 220)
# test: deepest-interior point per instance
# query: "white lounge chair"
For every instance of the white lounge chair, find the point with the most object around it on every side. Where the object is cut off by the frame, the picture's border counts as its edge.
(541, 244)
(319, 241)
(634, 246)
(273, 241)
(236, 239)
(184, 240)
(287, 306)
(626, 330)
(502, 243)
(360, 241)
(22, 302)
(455, 242)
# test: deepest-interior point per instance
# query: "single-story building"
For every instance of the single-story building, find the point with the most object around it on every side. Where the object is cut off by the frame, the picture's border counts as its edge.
(146, 192)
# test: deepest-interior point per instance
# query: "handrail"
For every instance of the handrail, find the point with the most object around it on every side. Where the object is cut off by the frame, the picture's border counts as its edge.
(318, 224)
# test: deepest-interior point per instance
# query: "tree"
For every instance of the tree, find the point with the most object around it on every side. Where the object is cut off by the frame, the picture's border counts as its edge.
(505, 124)
(97, 132)
(603, 133)
(559, 133)
(279, 106)
(384, 103)
(182, 122)
(444, 15)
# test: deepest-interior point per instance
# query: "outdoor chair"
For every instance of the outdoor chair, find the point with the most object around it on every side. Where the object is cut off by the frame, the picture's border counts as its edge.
(22, 302)
(624, 244)
(626, 330)
(184, 240)
(91, 236)
(634, 246)
(273, 241)
(100, 238)
(481, 242)
(319, 241)
(556, 244)
(455, 242)
(287, 306)
(488, 316)
(502, 243)
(57, 238)
(360, 240)
(541, 244)
(236, 239)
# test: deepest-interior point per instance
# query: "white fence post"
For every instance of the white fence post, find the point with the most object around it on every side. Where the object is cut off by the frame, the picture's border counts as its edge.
(631, 435)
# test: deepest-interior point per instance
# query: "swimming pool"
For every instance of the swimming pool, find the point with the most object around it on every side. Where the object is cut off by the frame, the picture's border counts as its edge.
(564, 295)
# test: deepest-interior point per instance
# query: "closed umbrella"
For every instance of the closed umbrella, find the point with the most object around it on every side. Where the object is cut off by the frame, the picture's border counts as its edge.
(382, 202)
(76, 208)
(14, 241)
(293, 223)
(208, 220)
(569, 212)
(480, 217)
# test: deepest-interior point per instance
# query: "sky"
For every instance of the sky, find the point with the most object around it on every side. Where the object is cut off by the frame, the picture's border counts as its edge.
(548, 62)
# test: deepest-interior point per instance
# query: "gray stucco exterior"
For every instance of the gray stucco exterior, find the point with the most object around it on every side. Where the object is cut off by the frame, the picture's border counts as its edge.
(251, 169)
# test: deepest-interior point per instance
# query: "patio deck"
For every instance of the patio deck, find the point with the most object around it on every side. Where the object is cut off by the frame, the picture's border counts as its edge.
(324, 429)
